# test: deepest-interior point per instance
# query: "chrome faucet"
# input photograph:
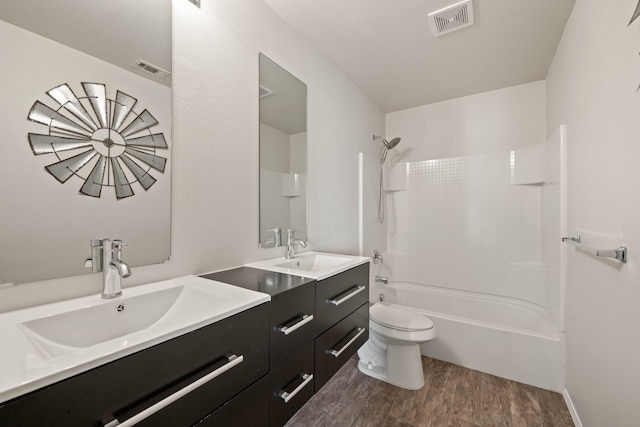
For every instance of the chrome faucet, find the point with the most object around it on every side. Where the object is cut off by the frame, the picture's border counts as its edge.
(276, 240)
(382, 279)
(113, 268)
(291, 242)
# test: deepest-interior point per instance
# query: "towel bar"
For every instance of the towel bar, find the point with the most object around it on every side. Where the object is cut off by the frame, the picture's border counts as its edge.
(619, 253)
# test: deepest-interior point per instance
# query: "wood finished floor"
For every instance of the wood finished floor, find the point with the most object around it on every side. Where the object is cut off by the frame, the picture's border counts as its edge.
(453, 396)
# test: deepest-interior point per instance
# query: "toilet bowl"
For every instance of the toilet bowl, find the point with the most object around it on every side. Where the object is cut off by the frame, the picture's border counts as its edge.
(392, 353)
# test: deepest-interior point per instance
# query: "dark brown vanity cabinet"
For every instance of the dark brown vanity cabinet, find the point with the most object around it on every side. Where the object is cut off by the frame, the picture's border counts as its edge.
(292, 384)
(314, 328)
(293, 322)
(234, 352)
(340, 295)
(342, 311)
(339, 343)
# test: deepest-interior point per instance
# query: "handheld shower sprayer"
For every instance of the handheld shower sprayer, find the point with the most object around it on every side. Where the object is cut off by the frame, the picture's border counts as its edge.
(388, 145)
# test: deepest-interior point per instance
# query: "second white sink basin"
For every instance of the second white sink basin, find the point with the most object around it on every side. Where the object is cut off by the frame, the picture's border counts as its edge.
(314, 265)
(316, 262)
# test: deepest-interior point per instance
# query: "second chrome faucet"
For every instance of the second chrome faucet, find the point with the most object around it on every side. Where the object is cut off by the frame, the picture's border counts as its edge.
(291, 242)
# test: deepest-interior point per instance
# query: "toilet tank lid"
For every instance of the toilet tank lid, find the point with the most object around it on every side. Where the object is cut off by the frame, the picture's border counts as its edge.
(399, 317)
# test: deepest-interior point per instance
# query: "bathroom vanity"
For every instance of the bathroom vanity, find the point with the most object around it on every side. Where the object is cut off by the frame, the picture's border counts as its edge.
(127, 386)
(255, 366)
(315, 326)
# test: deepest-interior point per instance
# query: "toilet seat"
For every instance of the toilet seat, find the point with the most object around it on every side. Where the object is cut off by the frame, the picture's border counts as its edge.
(399, 318)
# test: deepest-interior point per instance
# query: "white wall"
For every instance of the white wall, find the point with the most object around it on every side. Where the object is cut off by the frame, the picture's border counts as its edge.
(592, 87)
(215, 145)
(489, 122)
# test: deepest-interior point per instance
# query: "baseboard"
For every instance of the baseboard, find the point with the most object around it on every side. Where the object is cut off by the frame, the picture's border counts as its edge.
(572, 409)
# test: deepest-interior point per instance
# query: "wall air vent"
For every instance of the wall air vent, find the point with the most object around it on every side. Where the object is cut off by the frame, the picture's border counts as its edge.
(151, 69)
(451, 18)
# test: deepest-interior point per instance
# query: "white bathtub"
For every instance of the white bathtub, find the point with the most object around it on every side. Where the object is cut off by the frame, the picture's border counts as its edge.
(502, 336)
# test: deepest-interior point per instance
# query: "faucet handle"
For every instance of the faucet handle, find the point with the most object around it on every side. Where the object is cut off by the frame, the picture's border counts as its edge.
(94, 262)
(116, 248)
(277, 237)
(377, 256)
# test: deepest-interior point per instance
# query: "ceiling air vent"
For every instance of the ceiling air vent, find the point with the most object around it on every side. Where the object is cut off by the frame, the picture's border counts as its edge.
(151, 69)
(451, 18)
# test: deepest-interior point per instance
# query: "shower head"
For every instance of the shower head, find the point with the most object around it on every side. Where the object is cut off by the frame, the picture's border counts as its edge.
(391, 144)
(388, 145)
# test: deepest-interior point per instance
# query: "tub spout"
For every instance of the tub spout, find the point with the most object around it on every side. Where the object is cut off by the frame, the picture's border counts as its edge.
(382, 279)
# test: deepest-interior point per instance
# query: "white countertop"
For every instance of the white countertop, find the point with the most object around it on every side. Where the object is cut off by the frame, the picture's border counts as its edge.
(24, 368)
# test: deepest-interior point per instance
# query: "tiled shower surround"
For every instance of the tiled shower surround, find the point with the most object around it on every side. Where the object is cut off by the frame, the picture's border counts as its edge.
(487, 223)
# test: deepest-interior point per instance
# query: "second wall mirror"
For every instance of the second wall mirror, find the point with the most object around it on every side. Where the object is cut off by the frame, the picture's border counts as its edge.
(283, 154)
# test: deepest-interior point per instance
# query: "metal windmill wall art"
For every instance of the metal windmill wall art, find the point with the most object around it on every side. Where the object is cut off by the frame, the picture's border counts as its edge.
(111, 147)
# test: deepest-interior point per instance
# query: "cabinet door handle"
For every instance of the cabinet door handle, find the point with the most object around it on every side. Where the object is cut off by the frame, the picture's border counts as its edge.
(288, 396)
(349, 294)
(233, 360)
(288, 329)
(336, 353)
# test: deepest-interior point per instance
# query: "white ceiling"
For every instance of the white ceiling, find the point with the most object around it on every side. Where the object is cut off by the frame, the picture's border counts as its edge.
(386, 46)
(116, 31)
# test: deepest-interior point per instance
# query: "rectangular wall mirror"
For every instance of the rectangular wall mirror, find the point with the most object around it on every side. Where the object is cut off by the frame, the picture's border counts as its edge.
(283, 154)
(87, 136)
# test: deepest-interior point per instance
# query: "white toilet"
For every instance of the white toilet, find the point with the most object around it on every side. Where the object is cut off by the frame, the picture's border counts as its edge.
(392, 353)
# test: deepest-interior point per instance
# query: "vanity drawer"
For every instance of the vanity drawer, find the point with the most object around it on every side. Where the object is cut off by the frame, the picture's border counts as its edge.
(293, 322)
(248, 409)
(291, 386)
(338, 296)
(127, 386)
(338, 344)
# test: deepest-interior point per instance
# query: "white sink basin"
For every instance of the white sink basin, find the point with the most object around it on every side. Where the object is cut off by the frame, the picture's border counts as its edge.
(316, 262)
(68, 331)
(314, 265)
(51, 342)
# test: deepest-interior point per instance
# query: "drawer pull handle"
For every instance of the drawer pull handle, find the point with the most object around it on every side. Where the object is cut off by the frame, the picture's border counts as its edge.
(358, 289)
(288, 396)
(288, 329)
(233, 361)
(337, 353)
